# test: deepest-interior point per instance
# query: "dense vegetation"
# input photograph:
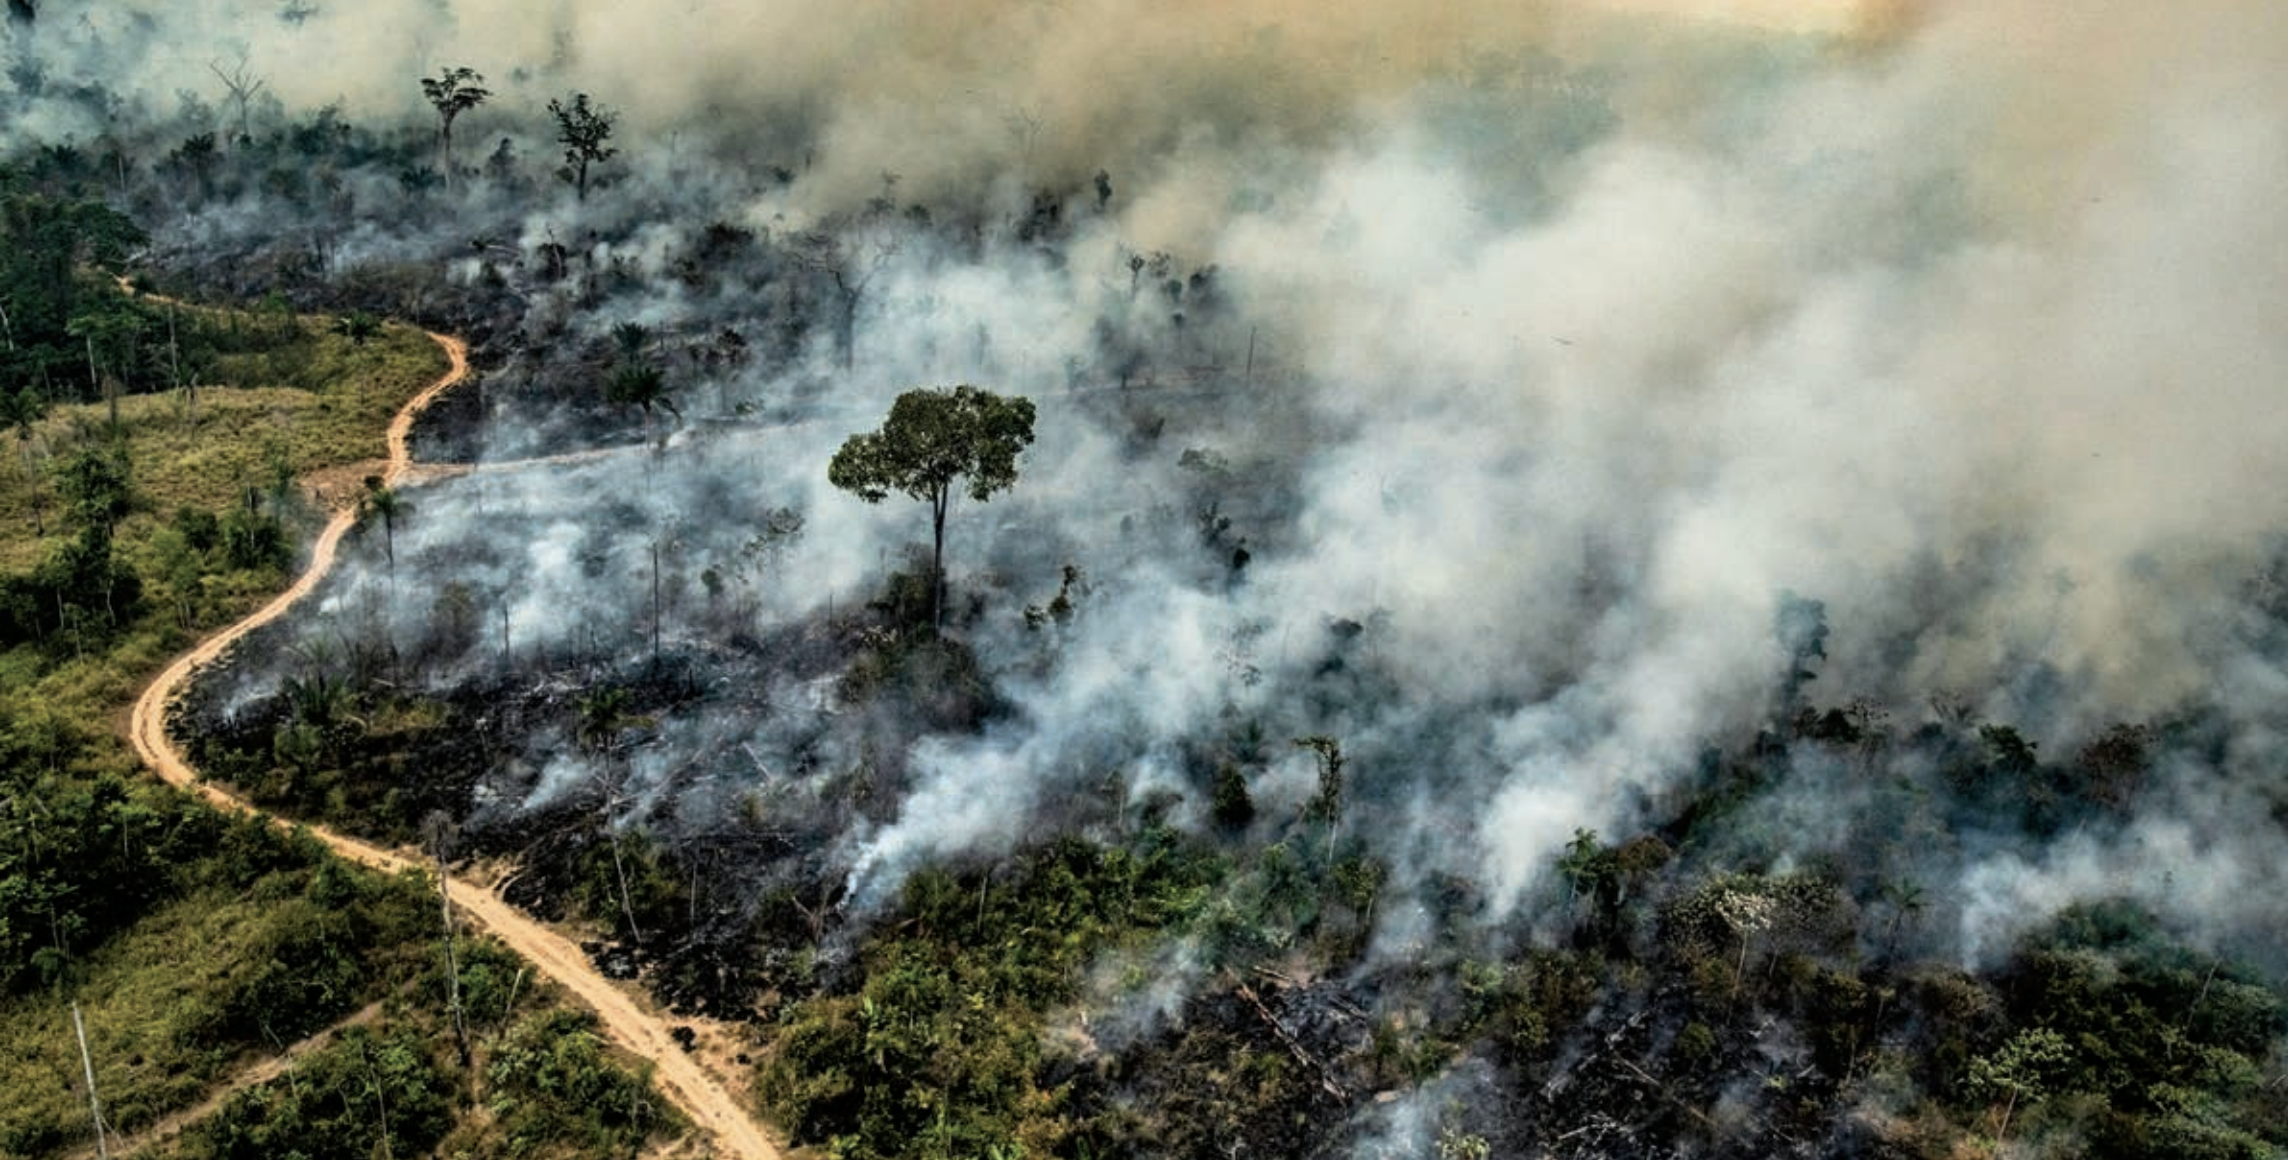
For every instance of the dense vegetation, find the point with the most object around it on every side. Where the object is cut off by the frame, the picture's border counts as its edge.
(975, 1013)
(1132, 826)
(197, 943)
(1130, 986)
(156, 530)
(543, 1085)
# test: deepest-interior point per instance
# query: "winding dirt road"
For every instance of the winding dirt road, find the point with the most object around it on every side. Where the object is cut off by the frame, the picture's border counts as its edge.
(625, 1018)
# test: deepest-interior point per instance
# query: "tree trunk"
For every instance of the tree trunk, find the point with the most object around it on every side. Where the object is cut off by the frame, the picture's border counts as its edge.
(620, 869)
(509, 1008)
(174, 352)
(847, 330)
(100, 384)
(452, 968)
(87, 1065)
(380, 1097)
(938, 505)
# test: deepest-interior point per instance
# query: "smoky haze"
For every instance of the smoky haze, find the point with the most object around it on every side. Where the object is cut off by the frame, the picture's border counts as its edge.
(1549, 344)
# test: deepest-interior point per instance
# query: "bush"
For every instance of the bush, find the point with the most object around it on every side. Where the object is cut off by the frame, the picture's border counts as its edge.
(554, 1086)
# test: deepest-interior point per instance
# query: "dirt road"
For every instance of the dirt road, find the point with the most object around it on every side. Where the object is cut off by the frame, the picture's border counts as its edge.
(627, 1019)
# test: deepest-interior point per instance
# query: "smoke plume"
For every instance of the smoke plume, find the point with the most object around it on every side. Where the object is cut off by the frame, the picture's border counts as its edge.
(1529, 353)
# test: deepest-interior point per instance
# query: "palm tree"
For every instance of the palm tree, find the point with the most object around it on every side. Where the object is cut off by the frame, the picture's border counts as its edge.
(603, 717)
(454, 92)
(643, 386)
(631, 338)
(322, 701)
(384, 502)
(1906, 898)
(635, 380)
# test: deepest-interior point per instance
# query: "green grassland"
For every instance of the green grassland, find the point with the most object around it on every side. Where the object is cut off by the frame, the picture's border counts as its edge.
(317, 400)
(198, 945)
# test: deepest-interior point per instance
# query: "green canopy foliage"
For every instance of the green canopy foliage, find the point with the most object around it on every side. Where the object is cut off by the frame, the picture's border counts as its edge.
(582, 128)
(51, 307)
(932, 440)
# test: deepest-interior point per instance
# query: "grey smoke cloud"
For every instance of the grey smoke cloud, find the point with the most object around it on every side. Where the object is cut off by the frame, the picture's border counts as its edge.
(1569, 365)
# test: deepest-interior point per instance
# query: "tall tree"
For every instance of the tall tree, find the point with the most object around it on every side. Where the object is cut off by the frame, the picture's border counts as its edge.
(113, 332)
(384, 502)
(932, 439)
(583, 128)
(454, 92)
(98, 492)
(438, 833)
(850, 260)
(197, 154)
(244, 88)
(1327, 806)
(603, 718)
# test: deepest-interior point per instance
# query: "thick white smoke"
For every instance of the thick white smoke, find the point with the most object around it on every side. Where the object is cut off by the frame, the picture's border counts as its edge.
(1580, 332)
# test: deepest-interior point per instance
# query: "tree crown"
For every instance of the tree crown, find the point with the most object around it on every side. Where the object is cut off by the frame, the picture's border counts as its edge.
(583, 128)
(455, 91)
(931, 439)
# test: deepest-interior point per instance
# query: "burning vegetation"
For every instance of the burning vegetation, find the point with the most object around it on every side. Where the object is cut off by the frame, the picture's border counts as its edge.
(1563, 580)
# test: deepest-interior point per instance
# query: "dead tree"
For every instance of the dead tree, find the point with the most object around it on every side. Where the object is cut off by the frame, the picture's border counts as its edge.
(243, 86)
(437, 832)
(851, 264)
(87, 1065)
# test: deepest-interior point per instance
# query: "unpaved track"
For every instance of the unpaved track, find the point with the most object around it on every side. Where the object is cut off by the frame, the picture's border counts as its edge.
(172, 1124)
(625, 1019)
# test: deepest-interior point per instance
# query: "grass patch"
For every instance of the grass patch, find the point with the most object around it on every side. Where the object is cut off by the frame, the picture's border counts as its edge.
(198, 944)
(199, 988)
(241, 436)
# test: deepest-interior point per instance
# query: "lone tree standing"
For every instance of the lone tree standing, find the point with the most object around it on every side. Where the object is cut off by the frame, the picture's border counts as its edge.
(931, 439)
(583, 128)
(384, 501)
(454, 91)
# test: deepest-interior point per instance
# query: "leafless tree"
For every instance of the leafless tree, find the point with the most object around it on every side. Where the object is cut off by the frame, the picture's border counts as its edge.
(243, 86)
(850, 261)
